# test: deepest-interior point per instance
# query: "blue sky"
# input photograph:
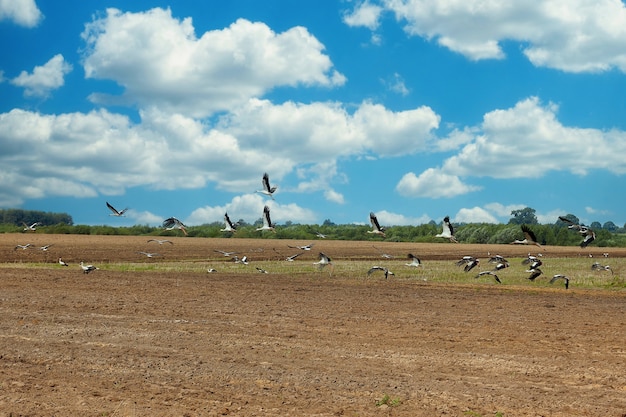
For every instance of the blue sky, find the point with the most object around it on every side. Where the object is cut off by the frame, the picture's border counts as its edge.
(412, 109)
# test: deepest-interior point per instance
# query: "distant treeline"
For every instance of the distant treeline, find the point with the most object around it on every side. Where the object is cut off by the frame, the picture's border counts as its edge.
(18, 217)
(549, 234)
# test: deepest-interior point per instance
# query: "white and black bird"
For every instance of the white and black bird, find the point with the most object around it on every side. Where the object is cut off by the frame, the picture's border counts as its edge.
(323, 261)
(161, 241)
(320, 235)
(587, 233)
(172, 223)
(261, 270)
(305, 247)
(267, 188)
(243, 260)
(597, 266)
(23, 247)
(529, 237)
(45, 247)
(87, 268)
(380, 268)
(267, 221)
(62, 263)
(229, 226)
(415, 261)
(211, 270)
(558, 277)
(468, 263)
(480, 274)
(225, 253)
(447, 231)
(115, 212)
(32, 227)
(497, 259)
(149, 254)
(377, 229)
(530, 259)
(534, 273)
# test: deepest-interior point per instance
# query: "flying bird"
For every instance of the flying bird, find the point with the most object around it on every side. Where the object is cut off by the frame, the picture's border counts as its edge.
(480, 274)
(228, 225)
(224, 252)
(173, 223)
(45, 247)
(469, 261)
(558, 277)
(415, 261)
(243, 260)
(32, 227)
(383, 254)
(267, 221)
(161, 241)
(376, 228)
(597, 266)
(211, 270)
(529, 237)
(267, 189)
(448, 230)
(320, 235)
(323, 261)
(87, 268)
(380, 268)
(261, 270)
(115, 212)
(148, 254)
(23, 247)
(588, 234)
(534, 273)
(305, 247)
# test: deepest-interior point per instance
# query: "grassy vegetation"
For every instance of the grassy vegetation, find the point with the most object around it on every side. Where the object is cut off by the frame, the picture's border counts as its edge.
(577, 269)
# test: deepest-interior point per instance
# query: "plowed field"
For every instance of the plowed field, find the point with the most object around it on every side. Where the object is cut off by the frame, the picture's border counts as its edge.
(161, 336)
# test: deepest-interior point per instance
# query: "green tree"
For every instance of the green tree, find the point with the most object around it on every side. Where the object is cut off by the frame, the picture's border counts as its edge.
(523, 216)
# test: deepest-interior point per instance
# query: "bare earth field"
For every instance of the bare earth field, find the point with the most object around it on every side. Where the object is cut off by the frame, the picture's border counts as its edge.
(163, 337)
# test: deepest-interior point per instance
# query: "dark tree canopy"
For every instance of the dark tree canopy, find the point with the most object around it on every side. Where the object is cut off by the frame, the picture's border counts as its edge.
(524, 216)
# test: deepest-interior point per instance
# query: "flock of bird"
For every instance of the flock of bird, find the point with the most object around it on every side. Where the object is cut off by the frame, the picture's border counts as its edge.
(467, 262)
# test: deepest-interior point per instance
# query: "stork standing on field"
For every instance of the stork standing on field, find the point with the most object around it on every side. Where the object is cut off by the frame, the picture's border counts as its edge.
(448, 230)
(87, 268)
(62, 263)
(267, 188)
(115, 212)
(267, 221)
(228, 225)
(529, 237)
(376, 227)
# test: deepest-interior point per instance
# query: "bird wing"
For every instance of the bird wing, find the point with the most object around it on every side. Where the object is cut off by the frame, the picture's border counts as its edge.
(529, 234)
(266, 182)
(113, 209)
(374, 222)
(266, 217)
(375, 268)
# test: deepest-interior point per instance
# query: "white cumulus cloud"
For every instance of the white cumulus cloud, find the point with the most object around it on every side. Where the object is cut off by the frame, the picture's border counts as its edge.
(44, 78)
(22, 12)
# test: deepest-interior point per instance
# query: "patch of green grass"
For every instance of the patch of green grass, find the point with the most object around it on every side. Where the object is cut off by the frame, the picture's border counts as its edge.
(388, 401)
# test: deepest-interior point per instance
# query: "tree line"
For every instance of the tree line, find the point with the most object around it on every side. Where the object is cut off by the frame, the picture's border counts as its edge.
(556, 233)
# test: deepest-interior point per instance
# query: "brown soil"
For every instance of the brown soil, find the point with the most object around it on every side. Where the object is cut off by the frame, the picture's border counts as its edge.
(183, 342)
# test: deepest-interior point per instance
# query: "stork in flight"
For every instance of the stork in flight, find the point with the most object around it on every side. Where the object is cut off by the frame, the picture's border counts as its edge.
(323, 261)
(480, 274)
(31, 228)
(448, 230)
(161, 241)
(305, 247)
(558, 277)
(597, 266)
(23, 247)
(380, 268)
(588, 234)
(267, 221)
(469, 261)
(228, 225)
(115, 212)
(173, 223)
(267, 188)
(415, 261)
(529, 237)
(534, 273)
(376, 227)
